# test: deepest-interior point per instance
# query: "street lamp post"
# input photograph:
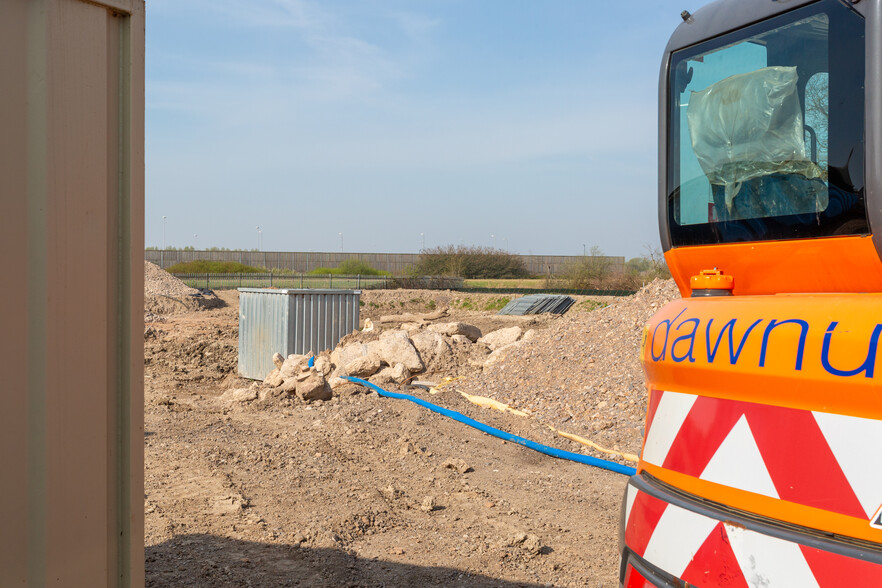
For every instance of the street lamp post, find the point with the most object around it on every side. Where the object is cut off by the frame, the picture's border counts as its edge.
(257, 228)
(163, 231)
(195, 242)
(583, 250)
(341, 242)
(494, 240)
(423, 241)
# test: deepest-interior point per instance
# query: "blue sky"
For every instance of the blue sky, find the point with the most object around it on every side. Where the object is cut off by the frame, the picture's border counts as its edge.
(528, 125)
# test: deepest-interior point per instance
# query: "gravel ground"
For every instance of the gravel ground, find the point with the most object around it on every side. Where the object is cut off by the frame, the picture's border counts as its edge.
(363, 491)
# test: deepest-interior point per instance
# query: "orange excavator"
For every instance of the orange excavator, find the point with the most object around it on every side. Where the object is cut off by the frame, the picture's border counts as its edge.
(761, 462)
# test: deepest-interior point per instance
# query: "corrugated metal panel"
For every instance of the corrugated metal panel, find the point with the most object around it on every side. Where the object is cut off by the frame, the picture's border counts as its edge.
(291, 321)
(71, 351)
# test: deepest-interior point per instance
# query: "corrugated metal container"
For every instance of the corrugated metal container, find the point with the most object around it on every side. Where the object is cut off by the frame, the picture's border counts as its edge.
(291, 321)
(71, 349)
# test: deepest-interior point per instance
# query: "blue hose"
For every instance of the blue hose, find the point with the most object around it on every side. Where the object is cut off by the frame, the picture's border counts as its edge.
(458, 416)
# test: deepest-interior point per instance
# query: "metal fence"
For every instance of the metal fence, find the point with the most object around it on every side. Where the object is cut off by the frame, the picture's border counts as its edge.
(395, 263)
(326, 281)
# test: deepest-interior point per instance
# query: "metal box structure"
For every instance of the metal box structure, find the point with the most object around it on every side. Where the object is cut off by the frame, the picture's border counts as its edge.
(291, 321)
(71, 350)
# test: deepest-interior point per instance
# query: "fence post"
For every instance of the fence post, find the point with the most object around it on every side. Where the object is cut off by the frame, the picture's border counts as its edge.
(330, 281)
(301, 280)
(271, 278)
(240, 280)
(206, 281)
(358, 282)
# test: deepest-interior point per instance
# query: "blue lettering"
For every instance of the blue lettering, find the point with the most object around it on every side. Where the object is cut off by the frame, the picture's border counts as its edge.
(733, 354)
(667, 324)
(799, 351)
(690, 337)
(868, 365)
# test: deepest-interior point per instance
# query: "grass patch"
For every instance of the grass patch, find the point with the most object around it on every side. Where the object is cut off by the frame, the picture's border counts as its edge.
(463, 304)
(589, 305)
(537, 283)
(497, 303)
(202, 266)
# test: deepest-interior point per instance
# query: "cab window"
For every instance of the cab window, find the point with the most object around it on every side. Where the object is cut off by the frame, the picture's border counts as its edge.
(755, 151)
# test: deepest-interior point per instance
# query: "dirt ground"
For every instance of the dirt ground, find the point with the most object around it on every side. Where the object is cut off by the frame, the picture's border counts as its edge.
(361, 490)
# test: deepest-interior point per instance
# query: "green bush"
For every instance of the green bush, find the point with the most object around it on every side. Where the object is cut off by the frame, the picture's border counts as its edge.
(470, 262)
(202, 266)
(350, 267)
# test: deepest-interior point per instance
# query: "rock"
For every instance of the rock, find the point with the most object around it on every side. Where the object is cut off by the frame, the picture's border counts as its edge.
(335, 383)
(381, 378)
(363, 367)
(398, 374)
(289, 386)
(457, 464)
(428, 504)
(395, 347)
(278, 359)
(431, 346)
(501, 337)
(343, 355)
(314, 388)
(368, 326)
(240, 395)
(450, 329)
(529, 335)
(412, 328)
(500, 354)
(323, 366)
(292, 364)
(274, 378)
(532, 544)
(460, 339)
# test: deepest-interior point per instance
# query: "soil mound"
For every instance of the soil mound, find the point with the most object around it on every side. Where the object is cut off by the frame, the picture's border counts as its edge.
(583, 374)
(165, 294)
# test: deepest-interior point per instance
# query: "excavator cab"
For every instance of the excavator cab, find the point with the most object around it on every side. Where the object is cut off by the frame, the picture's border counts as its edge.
(764, 403)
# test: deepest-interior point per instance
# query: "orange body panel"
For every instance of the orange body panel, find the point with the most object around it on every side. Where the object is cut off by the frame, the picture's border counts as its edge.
(835, 264)
(817, 353)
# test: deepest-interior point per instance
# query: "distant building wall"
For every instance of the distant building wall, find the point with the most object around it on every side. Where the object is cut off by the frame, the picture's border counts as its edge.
(395, 263)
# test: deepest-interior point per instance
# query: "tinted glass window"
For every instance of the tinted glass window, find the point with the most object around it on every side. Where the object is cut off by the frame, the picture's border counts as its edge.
(765, 138)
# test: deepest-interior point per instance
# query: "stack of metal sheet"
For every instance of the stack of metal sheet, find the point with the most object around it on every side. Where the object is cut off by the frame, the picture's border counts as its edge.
(538, 304)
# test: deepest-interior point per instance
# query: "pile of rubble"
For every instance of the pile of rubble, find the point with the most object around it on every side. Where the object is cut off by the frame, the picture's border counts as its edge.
(165, 294)
(393, 356)
(581, 373)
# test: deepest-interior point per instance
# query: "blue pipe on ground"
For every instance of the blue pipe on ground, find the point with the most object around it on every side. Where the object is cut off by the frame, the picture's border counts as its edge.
(458, 416)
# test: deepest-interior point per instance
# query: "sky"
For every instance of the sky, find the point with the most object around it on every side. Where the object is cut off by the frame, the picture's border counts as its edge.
(396, 125)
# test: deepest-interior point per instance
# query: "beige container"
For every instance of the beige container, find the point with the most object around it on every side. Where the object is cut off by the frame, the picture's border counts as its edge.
(71, 338)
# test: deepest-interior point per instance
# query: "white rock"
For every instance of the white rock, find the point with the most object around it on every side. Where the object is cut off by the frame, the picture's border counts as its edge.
(278, 359)
(274, 378)
(395, 347)
(323, 366)
(501, 337)
(292, 364)
(500, 354)
(362, 367)
(343, 355)
(451, 329)
(431, 346)
(460, 339)
(240, 395)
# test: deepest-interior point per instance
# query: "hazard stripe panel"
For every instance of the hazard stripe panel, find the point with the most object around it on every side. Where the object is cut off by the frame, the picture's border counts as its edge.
(809, 458)
(707, 552)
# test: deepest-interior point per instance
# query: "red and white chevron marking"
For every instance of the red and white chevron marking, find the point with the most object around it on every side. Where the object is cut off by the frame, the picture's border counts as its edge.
(806, 457)
(706, 552)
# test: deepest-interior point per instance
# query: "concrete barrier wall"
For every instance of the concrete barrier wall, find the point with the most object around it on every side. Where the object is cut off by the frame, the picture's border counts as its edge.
(389, 262)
